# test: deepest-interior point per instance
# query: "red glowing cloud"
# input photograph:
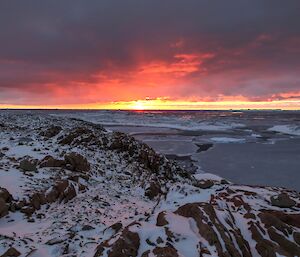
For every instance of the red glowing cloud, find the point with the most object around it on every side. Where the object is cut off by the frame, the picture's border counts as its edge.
(97, 53)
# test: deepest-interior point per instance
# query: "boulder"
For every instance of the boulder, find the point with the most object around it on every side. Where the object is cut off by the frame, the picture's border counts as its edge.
(28, 164)
(11, 252)
(3, 208)
(283, 201)
(28, 210)
(69, 193)
(75, 135)
(77, 162)
(5, 199)
(87, 228)
(62, 191)
(52, 195)
(204, 184)
(153, 190)
(35, 201)
(116, 227)
(51, 131)
(57, 191)
(167, 251)
(127, 245)
(49, 161)
(5, 195)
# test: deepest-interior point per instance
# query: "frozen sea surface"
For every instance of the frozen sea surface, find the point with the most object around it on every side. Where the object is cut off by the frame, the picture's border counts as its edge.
(248, 147)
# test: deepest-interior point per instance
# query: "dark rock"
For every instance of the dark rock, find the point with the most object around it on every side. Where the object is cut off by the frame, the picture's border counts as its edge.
(286, 245)
(77, 162)
(11, 252)
(75, 134)
(69, 193)
(49, 161)
(57, 191)
(3, 208)
(283, 201)
(224, 182)
(87, 228)
(35, 201)
(52, 195)
(296, 236)
(153, 190)
(117, 227)
(161, 219)
(167, 251)
(127, 245)
(204, 184)
(62, 191)
(28, 164)
(28, 210)
(5, 195)
(24, 140)
(61, 186)
(55, 241)
(51, 132)
(203, 147)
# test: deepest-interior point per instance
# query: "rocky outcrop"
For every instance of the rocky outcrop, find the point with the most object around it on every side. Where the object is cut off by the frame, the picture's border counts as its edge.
(127, 245)
(28, 164)
(77, 162)
(226, 225)
(49, 161)
(11, 252)
(3, 208)
(204, 184)
(51, 131)
(5, 200)
(153, 190)
(77, 136)
(62, 191)
(282, 201)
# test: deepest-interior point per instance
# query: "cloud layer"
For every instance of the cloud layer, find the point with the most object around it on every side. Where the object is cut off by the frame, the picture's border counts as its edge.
(68, 52)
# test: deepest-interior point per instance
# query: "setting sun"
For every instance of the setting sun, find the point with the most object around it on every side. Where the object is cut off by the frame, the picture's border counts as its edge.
(138, 105)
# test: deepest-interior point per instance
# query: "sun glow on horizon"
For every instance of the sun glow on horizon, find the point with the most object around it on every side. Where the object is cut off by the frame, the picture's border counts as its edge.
(168, 104)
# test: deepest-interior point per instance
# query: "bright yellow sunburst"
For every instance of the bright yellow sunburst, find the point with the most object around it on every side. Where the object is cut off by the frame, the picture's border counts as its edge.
(138, 105)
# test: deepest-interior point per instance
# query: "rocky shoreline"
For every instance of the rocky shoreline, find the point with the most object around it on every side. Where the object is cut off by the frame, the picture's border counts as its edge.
(71, 188)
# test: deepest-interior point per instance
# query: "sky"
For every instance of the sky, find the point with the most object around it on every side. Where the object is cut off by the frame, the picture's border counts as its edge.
(142, 54)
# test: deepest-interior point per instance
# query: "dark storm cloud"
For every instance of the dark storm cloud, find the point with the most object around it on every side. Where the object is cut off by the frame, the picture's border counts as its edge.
(62, 42)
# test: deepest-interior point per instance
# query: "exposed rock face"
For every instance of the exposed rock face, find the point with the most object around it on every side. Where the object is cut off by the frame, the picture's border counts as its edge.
(11, 252)
(204, 184)
(5, 195)
(77, 136)
(153, 190)
(213, 229)
(127, 245)
(28, 164)
(77, 162)
(3, 208)
(49, 161)
(5, 200)
(282, 201)
(62, 191)
(51, 131)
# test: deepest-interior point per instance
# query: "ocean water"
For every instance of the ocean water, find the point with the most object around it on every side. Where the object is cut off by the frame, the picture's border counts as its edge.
(247, 147)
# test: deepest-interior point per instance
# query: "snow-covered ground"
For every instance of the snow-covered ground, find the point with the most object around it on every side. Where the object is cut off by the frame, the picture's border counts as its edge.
(106, 194)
